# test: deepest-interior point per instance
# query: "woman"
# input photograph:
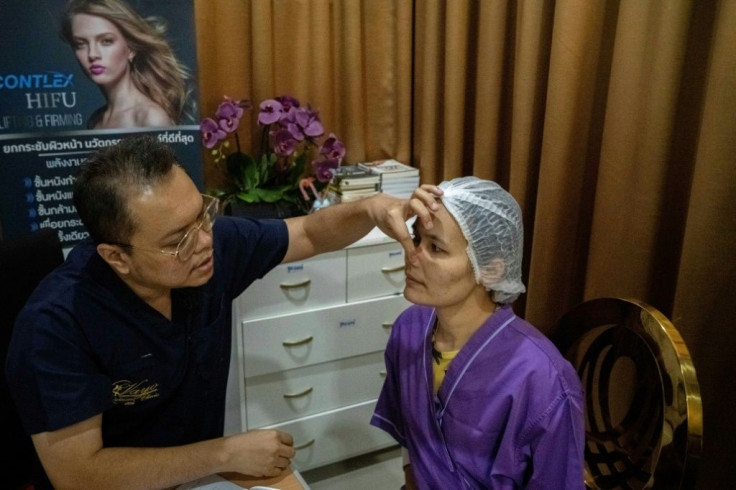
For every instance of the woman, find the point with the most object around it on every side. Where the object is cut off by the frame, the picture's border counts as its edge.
(129, 59)
(477, 396)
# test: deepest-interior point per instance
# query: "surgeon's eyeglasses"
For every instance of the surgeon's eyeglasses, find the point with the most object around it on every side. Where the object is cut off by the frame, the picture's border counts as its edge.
(188, 243)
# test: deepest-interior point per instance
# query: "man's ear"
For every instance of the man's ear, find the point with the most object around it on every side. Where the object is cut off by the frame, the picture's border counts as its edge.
(115, 256)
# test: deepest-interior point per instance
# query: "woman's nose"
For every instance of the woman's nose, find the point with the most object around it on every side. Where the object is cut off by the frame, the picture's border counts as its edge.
(93, 53)
(413, 257)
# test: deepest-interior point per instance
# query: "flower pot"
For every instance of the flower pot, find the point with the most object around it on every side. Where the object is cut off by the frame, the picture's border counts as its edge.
(262, 210)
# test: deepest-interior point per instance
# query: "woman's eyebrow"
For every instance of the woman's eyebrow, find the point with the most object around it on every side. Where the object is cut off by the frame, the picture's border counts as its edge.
(432, 235)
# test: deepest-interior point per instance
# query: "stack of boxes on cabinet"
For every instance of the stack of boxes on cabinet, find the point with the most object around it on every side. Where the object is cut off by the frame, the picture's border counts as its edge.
(308, 350)
(352, 182)
(397, 179)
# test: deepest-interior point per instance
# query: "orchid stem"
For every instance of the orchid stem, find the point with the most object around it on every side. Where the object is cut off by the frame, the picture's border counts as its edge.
(264, 141)
(237, 141)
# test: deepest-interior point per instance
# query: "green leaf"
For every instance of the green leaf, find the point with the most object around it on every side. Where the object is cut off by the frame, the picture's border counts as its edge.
(252, 179)
(264, 167)
(247, 196)
(238, 165)
(270, 195)
(296, 172)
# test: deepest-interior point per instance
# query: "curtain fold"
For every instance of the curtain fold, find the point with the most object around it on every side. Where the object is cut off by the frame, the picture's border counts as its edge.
(349, 60)
(611, 122)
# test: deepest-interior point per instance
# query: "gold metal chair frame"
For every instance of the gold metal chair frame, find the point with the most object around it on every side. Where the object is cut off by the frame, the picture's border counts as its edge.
(644, 418)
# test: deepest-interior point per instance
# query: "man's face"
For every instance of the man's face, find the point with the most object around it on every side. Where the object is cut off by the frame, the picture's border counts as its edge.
(164, 214)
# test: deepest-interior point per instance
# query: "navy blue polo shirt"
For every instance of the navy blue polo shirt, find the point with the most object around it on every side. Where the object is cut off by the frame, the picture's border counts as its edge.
(85, 344)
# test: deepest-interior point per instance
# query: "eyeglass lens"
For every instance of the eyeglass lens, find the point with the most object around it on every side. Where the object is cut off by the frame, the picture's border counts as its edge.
(189, 243)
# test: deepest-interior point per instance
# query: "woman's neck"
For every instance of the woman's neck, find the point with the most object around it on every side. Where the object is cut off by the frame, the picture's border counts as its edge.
(457, 323)
(123, 96)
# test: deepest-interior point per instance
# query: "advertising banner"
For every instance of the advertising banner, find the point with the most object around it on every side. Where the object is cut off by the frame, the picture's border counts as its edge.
(80, 75)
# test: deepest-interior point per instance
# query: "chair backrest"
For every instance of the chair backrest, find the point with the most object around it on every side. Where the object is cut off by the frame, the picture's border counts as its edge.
(23, 263)
(644, 422)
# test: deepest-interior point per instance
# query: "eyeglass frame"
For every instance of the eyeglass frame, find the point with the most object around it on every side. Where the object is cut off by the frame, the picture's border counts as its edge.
(206, 210)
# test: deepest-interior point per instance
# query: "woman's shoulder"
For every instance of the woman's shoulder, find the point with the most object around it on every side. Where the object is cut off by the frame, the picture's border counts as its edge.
(152, 114)
(96, 117)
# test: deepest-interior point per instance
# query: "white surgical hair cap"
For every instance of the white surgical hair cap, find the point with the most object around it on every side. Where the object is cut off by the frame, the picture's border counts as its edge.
(490, 219)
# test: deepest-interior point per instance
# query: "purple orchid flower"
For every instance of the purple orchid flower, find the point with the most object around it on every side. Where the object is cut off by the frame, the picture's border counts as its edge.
(211, 132)
(295, 131)
(228, 114)
(283, 143)
(325, 169)
(270, 111)
(333, 148)
(287, 101)
(309, 122)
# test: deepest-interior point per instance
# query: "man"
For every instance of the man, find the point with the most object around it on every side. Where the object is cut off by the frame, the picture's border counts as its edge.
(118, 363)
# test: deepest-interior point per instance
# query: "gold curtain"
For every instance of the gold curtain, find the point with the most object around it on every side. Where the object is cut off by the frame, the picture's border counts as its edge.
(611, 122)
(350, 60)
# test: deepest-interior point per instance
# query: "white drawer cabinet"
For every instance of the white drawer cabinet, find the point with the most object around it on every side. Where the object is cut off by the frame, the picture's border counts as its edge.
(375, 271)
(308, 350)
(314, 283)
(336, 435)
(302, 339)
(278, 397)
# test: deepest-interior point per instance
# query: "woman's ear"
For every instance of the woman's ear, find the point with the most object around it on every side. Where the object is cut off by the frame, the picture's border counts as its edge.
(493, 272)
(115, 257)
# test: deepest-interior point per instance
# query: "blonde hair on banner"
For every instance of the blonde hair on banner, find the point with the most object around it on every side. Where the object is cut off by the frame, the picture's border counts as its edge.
(155, 70)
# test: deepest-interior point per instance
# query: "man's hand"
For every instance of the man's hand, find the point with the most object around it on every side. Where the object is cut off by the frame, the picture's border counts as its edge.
(422, 204)
(260, 452)
(337, 226)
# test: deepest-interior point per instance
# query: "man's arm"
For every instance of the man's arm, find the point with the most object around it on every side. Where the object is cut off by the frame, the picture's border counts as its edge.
(339, 225)
(74, 457)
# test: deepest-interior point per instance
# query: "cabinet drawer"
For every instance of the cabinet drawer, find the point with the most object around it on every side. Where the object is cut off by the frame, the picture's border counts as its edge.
(296, 393)
(315, 283)
(303, 339)
(375, 271)
(336, 435)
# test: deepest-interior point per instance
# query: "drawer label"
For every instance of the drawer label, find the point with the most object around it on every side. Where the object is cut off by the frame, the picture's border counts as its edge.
(348, 323)
(294, 268)
(396, 253)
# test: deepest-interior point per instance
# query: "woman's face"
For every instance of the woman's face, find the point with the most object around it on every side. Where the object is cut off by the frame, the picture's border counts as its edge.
(441, 275)
(100, 48)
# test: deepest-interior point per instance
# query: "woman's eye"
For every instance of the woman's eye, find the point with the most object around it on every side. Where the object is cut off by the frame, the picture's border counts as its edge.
(107, 41)
(437, 249)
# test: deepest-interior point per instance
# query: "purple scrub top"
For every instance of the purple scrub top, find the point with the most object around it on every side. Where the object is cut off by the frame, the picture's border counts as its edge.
(509, 413)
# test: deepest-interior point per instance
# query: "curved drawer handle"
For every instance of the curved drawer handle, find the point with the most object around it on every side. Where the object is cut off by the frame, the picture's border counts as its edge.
(296, 285)
(382, 372)
(297, 395)
(287, 343)
(305, 445)
(387, 325)
(398, 268)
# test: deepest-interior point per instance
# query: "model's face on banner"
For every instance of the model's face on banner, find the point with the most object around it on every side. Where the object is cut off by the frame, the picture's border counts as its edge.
(100, 48)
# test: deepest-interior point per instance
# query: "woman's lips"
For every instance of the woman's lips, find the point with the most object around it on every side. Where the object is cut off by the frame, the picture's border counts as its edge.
(411, 278)
(96, 69)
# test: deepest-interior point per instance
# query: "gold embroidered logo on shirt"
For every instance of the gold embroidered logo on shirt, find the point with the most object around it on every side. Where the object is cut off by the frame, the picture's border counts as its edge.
(126, 392)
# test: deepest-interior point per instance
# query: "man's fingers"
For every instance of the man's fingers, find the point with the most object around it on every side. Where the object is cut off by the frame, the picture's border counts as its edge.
(286, 438)
(408, 245)
(423, 203)
(287, 452)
